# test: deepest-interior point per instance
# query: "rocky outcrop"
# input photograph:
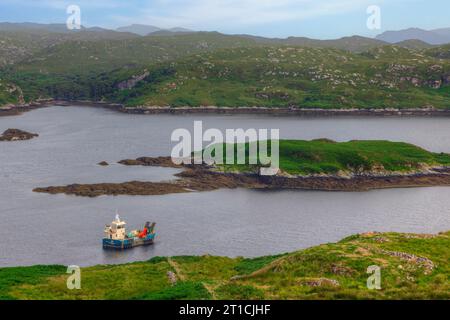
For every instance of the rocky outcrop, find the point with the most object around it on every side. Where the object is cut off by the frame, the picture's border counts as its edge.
(131, 83)
(321, 282)
(115, 189)
(425, 263)
(427, 110)
(17, 135)
(165, 162)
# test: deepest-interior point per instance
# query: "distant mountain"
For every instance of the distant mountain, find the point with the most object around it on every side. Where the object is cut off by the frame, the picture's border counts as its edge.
(353, 43)
(40, 27)
(140, 29)
(434, 37)
(29, 26)
(170, 33)
(144, 30)
(179, 29)
(445, 32)
(414, 44)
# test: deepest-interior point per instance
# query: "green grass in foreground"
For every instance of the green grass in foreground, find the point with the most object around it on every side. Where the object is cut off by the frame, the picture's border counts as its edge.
(412, 267)
(329, 157)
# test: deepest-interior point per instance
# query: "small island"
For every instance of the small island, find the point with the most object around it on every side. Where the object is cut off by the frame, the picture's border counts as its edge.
(17, 135)
(308, 165)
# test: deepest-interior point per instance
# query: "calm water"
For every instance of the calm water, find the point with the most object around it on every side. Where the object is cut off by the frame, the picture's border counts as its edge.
(47, 229)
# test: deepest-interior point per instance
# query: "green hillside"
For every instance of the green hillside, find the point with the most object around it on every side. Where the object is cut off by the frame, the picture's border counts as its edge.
(442, 52)
(412, 266)
(386, 77)
(77, 67)
(212, 69)
(108, 54)
(17, 45)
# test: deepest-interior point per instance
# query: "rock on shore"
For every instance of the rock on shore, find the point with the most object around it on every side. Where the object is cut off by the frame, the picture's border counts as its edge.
(17, 135)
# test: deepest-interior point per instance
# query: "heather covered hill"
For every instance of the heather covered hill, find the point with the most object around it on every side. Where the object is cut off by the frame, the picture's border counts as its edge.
(442, 52)
(385, 77)
(107, 54)
(19, 44)
(212, 69)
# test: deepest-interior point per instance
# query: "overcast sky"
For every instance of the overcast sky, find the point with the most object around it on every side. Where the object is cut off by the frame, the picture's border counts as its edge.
(276, 18)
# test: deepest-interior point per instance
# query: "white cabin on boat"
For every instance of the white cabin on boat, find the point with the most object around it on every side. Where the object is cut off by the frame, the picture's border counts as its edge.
(116, 231)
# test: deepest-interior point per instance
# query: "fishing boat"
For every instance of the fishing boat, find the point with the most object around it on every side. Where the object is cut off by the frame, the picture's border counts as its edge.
(117, 238)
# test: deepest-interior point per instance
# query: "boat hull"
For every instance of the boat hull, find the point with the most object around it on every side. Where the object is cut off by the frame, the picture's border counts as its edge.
(128, 243)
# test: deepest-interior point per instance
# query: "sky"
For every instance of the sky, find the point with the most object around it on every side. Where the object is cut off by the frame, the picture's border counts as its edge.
(321, 19)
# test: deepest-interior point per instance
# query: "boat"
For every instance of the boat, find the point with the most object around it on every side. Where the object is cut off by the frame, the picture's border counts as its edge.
(117, 238)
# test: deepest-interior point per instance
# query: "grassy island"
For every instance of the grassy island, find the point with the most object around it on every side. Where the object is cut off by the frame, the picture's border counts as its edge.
(413, 266)
(323, 156)
(307, 165)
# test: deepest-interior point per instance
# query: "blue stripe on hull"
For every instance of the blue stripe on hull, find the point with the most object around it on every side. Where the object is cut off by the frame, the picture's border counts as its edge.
(128, 243)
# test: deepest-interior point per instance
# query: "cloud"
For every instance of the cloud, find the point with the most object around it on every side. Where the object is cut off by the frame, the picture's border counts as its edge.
(214, 13)
(223, 15)
(63, 4)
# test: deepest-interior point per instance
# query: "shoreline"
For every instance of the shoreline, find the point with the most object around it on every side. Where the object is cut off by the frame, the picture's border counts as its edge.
(12, 110)
(202, 179)
(16, 110)
(276, 111)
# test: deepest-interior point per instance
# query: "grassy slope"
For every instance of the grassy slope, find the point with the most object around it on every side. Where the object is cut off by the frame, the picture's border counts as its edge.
(289, 276)
(442, 52)
(301, 77)
(213, 69)
(18, 45)
(91, 69)
(325, 156)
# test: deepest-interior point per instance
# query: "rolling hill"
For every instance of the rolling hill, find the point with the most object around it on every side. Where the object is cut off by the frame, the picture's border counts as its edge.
(296, 77)
(213, 69)
(17, 45)
(413, 266)
(145, 30)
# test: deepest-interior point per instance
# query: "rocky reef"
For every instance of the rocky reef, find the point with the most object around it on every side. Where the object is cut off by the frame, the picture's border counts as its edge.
(17, 135)
(200, 178)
